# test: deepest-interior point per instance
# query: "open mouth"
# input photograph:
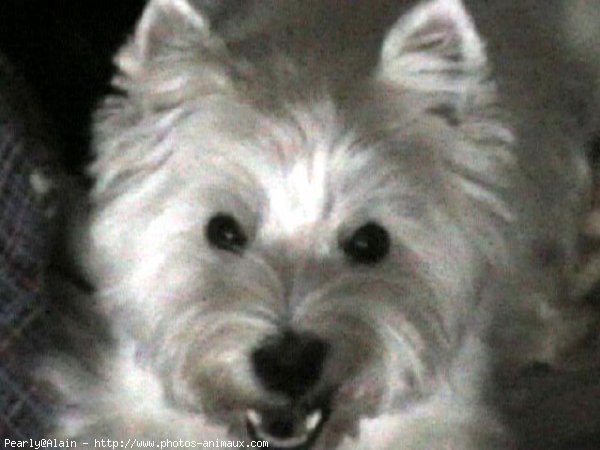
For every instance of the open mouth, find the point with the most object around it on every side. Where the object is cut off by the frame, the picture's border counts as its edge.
(285, 431)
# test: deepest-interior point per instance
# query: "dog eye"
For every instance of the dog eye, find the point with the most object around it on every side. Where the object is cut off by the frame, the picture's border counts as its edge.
(368, 245)
(225, 233)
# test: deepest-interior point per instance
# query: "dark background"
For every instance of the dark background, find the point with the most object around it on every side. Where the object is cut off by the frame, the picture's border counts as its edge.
(64, 50)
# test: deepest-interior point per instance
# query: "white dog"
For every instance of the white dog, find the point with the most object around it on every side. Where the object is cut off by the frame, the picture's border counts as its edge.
(325, 224)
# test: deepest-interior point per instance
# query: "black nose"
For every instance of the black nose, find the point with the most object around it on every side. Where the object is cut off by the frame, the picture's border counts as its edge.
(289, 363)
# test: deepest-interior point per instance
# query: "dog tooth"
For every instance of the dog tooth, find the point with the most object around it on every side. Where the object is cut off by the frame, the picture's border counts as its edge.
(254, 417)
(313, 420)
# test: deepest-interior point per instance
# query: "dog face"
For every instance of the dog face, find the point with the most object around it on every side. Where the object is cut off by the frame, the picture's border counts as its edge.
(288, 246)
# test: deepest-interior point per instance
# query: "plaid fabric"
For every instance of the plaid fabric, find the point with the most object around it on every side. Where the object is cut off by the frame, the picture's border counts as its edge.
(27, 174)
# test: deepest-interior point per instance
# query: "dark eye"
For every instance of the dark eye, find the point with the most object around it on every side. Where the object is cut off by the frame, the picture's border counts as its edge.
(368, 245)
(225, 233)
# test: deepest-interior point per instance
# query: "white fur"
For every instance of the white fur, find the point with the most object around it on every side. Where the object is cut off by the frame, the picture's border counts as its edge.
(427, 145)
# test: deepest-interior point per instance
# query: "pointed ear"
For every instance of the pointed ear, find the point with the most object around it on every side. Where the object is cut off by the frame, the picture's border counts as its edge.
(436, 49)
(164, 25)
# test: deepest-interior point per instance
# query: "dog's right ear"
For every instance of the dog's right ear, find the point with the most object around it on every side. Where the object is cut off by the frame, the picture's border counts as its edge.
(435, 50)
(165, 26)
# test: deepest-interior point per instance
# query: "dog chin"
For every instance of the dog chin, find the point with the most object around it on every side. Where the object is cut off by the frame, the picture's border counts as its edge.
(319, 419)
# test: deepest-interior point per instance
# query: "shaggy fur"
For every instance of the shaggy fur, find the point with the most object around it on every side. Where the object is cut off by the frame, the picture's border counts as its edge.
(458, 129)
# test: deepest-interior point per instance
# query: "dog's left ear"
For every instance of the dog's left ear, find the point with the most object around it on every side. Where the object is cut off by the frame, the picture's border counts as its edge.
(435, 49)
(165, 27)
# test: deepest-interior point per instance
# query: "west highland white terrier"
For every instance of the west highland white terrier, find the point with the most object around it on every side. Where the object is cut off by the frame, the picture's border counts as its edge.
(326, 224)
